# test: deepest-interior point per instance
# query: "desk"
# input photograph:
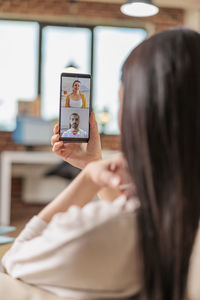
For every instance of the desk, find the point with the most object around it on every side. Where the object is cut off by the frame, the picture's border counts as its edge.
(8, 158)
(12, 157)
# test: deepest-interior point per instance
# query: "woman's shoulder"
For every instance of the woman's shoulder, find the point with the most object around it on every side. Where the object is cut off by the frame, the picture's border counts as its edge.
(94, 214)
(68, 95)
(83, 95)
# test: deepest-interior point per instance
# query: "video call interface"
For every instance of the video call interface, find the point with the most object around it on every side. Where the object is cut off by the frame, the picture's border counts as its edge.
(75, 107)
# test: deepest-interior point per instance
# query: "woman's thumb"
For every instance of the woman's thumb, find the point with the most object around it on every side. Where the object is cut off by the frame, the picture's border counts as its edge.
(93, 126)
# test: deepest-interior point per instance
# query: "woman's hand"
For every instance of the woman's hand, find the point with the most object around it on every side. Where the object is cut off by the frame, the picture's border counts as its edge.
(112, 178)
(108, 173)
(95, 176)
(79, 154)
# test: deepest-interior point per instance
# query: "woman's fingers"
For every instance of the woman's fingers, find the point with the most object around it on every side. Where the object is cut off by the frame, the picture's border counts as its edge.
(54, 139)
(104, 176)
(56, 129)
(115, 162)
(57, 146)
(114, 170)
(109, 179)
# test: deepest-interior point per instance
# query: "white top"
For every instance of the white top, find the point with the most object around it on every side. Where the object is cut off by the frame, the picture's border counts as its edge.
(73, 103)
(84, 253)
(72, 133)
(88, 253)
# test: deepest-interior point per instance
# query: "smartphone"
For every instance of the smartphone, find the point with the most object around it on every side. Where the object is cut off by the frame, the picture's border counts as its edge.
(75, 107)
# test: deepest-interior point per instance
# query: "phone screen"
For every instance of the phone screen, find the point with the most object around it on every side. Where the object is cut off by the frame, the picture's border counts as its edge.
(75, 107)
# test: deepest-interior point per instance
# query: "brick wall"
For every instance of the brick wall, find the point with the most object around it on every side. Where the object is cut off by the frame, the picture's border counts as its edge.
(111, 142)
(83, 12)
(6, 142)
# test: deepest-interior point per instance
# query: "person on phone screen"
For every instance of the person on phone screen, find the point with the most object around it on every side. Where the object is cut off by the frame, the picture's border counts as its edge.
(76, 99)
(74, 130)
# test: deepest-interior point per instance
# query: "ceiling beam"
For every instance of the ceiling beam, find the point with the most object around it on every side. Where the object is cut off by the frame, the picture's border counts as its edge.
(184, 4)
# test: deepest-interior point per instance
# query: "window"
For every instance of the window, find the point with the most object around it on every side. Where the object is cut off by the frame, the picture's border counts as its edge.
(18, 68)
(112, 46)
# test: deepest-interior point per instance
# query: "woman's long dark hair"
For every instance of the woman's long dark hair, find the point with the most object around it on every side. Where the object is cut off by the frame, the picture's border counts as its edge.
(161, 141)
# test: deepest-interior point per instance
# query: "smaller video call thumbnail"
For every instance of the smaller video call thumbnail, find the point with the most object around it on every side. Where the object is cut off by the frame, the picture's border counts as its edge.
(74, 123)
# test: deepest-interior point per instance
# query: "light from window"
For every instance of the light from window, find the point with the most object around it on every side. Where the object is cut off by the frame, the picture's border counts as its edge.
(18, 68)
(112, 46)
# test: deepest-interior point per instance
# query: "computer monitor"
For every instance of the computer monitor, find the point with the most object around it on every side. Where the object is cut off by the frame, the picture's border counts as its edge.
(32, 131)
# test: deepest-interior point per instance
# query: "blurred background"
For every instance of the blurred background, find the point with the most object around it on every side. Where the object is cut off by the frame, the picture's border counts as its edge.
(39, 40)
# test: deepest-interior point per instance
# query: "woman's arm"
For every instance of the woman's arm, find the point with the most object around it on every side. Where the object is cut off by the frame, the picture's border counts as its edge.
(85, 186)
(80, 192)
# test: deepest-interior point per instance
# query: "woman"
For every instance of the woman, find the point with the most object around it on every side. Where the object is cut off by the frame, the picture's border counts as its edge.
(160, 137)
(76, 99)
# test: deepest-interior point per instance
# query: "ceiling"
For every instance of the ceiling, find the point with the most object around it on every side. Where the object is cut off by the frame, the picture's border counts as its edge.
(185, 4)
